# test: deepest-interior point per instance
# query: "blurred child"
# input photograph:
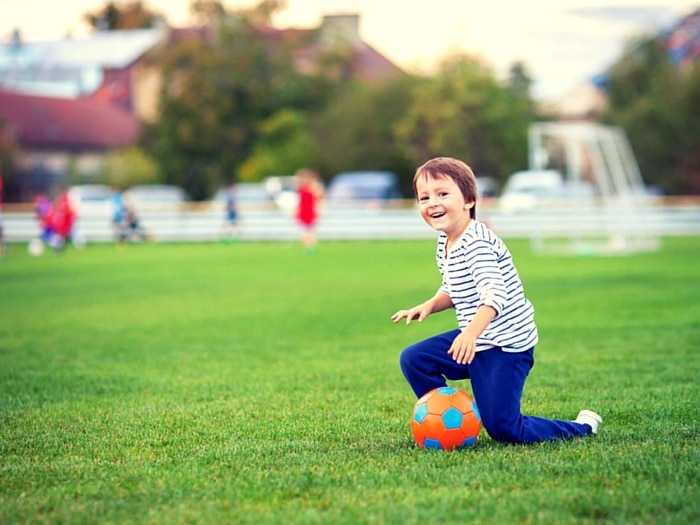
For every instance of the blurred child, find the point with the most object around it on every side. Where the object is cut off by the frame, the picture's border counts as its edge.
(118, 214)
(132, 229)
(62, 221)
(231, 219)
(310, 191)
(56, 220)
(42, 210)
(495, 343)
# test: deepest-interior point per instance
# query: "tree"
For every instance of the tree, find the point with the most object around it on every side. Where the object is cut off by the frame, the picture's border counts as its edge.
(129, 167)
(464, 112)
(519, 80)
(284, 145)
(131, 16)
(11, 183)
(653, 100)
(356, 129)
(216, 97)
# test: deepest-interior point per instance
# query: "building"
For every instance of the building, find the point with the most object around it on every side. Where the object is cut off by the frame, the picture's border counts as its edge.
(70, 102)
(338, 33)
(109, 67)
(588, 99)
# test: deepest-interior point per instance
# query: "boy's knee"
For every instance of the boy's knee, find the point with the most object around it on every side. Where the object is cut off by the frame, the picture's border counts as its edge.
(503, 432)
(406, 358)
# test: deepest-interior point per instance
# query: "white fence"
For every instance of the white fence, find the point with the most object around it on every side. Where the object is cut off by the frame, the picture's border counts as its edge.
(198, 223)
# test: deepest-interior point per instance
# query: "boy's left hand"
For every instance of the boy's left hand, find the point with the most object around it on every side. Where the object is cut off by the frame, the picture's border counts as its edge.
(463, 348)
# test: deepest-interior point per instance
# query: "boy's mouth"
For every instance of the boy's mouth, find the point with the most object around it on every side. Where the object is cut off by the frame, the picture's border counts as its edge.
(437, 215)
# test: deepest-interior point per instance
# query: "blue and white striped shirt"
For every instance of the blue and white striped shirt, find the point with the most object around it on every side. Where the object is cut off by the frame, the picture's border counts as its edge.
(479, 271)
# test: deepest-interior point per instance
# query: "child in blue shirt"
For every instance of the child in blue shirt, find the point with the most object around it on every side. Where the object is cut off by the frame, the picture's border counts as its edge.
(494, 345)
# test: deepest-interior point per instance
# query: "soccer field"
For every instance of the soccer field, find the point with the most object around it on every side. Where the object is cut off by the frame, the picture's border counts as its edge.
(254, 383)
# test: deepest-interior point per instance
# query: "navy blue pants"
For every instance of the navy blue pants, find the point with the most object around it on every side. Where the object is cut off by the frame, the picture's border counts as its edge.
(497, 379)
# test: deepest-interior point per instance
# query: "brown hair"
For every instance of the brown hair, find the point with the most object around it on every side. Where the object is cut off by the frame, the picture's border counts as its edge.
(458, 171)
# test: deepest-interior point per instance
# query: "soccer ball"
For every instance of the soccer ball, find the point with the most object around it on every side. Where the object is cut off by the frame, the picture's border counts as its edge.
(35, 247)
(445, 418)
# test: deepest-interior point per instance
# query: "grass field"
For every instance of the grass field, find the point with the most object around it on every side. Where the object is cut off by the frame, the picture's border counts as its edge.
(251, 383)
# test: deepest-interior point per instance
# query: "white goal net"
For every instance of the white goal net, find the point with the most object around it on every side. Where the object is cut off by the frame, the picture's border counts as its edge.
(605, 207)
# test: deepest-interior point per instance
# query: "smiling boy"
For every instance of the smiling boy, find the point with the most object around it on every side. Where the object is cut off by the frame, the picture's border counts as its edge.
(494, 345)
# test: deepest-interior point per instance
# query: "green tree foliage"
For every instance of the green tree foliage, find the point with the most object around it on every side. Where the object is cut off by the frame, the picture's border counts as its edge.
(129, 16)
(129, 167)
(11, 187)
(216, 95)
(519, 80)
(464, 112)
(237, 107)
(356, 129)
(284, 145)
(657, 104)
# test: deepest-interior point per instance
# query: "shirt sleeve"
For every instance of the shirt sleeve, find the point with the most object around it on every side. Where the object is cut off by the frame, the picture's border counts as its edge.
(485, 269)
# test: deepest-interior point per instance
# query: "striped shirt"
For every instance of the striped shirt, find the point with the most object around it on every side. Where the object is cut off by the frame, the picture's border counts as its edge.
(479, 271)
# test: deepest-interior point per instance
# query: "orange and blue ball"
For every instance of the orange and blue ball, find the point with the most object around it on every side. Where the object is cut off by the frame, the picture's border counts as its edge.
(446, 418)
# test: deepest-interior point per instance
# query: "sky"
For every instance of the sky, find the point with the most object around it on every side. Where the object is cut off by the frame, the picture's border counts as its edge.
(561, 42)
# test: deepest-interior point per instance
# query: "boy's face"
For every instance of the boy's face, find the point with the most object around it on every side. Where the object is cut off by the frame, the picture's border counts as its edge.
(442, 205)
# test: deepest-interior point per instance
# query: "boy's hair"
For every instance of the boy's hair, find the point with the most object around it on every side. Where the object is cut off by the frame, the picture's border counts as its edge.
(454, 169)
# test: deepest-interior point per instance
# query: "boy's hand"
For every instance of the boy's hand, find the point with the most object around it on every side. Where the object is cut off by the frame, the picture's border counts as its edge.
(419, 312)
(463, 348)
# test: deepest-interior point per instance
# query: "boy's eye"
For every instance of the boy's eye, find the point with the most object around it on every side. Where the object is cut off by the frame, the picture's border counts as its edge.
(442, 194)
(423, 198)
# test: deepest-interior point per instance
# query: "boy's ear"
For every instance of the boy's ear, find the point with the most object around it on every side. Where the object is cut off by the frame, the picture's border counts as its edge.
(469, 205)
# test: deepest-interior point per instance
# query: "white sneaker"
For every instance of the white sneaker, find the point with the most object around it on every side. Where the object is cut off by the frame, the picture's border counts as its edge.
(590, 418)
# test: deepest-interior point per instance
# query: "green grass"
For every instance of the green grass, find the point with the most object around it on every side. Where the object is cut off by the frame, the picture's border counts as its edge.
(251, 383)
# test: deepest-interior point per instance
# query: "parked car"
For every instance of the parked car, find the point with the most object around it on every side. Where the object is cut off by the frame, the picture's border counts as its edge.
(155, 197)
(364, 185)
(524, 189)
(157, 193)
(91, 199)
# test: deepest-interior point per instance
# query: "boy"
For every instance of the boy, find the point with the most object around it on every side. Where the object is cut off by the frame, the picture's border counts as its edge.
(494, 346)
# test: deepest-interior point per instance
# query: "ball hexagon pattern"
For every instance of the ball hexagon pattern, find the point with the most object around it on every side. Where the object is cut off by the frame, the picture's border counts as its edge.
(445, 418)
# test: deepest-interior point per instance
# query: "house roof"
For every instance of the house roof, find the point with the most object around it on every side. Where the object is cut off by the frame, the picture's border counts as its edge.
(367, 64)
(107, 49)
(370, 64)
(80, 124)
(71, 67)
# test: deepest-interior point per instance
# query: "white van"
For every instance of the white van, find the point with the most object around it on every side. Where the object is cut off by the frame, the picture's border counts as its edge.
(524, 189)
(91, 199)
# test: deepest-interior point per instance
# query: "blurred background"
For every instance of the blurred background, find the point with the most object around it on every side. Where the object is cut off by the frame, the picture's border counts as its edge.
(196, 95)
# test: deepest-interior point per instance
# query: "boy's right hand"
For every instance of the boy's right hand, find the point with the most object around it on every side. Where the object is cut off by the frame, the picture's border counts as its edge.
(419, 312)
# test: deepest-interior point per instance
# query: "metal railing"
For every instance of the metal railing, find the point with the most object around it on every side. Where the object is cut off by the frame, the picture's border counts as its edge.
(195, 222)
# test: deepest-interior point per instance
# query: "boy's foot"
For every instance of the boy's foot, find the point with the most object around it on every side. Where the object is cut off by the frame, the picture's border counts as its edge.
(590, 418)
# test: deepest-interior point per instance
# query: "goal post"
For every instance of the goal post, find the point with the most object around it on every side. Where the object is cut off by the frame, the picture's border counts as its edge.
(605, 207)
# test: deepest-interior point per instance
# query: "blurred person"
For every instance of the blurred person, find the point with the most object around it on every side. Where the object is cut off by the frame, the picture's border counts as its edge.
(56, 222)
(62, 219)
(495, 342)
(132, 228)
(118, 214)
(310, 192)
(126, 222)
(43, 212)
(231, 218)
